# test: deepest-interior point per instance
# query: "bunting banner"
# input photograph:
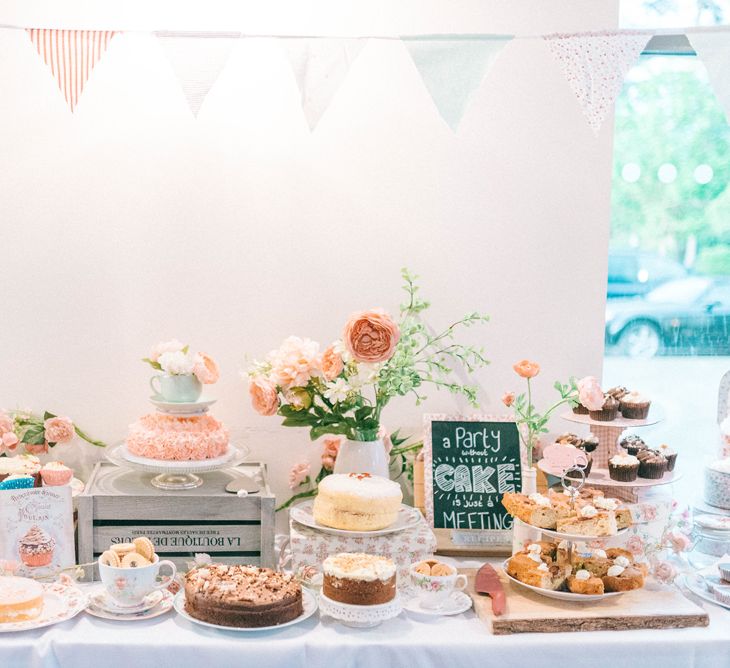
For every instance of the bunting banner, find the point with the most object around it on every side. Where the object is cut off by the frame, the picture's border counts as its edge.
(453, 67)
(197, 60)
(595, 65)
(320, 65)
(71, 55)
(713, 49)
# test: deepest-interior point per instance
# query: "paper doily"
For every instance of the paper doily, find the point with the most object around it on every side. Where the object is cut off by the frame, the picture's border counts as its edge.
(359, 616)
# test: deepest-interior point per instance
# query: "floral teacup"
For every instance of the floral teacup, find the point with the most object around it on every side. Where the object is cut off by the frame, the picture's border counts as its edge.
(434, 590)
(128, 587)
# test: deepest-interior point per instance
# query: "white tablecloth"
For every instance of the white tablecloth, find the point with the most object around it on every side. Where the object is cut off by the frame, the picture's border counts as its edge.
(462, 641)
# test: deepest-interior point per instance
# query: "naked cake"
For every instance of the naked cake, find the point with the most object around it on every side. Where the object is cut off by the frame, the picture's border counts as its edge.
(242, 596)
(359, 579)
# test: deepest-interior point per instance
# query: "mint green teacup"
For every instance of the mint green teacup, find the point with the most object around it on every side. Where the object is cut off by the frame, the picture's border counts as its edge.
(176, 389)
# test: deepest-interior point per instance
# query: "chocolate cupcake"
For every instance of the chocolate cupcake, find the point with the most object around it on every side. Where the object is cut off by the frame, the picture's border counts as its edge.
(669, 454)
(633, 444)
(634, 406)
(652, 464)
(608, 412)
(617, 392)
(580, 409)
(586, 469)
(590, 443)
(569, 438)
(623, 468)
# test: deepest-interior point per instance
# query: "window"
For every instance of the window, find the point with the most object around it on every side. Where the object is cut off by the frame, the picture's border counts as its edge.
(668, 307)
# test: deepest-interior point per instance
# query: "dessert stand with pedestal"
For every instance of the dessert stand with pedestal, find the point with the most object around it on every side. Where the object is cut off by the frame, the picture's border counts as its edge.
(573, 491)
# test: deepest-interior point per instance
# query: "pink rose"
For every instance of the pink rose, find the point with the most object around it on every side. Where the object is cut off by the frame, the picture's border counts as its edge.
(664, 572)
(6, 423)
(8, 441)
(295, 362)
(264, 397)
(59, 429)
(590, 393)
(298, 474)
(635, 545)
(371, 336)
(508, 398)
(679, 542)
(331, 449)
(41, 449)
(205, 369)
(332, 364)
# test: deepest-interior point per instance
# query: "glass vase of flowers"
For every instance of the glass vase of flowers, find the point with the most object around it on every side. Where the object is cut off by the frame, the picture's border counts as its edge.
(344, 389)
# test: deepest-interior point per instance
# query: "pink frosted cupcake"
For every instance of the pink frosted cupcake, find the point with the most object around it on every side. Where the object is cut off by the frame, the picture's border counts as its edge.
(56, 473)
(36, 547)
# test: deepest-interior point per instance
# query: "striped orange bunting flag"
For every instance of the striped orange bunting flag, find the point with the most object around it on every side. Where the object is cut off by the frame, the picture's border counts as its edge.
(71, 55)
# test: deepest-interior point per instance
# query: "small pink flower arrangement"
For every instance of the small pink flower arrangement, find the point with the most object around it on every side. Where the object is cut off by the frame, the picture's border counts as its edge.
(36, 434)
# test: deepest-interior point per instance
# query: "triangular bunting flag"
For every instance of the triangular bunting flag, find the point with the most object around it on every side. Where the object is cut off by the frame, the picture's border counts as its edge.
(713, 49)
(453, 67)
(595, 65)
(197, 60)
(71, 55)
(320, 66)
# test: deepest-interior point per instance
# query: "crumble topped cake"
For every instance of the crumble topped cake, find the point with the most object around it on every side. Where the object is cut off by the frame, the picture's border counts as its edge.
(357, 502)
(359, 579)
(243, 596)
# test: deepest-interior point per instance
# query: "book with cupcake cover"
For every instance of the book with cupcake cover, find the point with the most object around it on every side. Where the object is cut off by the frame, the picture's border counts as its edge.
(36, 529)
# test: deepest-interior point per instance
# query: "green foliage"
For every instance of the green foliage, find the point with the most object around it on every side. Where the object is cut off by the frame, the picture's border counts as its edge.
(669, 114)
(714, 260)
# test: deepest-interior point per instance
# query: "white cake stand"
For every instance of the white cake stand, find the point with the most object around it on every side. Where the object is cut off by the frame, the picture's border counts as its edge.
(176, 475)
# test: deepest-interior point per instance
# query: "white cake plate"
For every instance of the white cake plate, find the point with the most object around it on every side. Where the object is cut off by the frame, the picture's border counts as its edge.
(602, 478)
(578, 538)
(561, 595)
(620, 422)
(360, 616)
(309, 605)
(60, 602)
(177, 475)
(303, 513)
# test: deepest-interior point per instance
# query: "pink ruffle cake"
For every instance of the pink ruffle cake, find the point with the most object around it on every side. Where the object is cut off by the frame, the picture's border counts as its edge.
(179, 438)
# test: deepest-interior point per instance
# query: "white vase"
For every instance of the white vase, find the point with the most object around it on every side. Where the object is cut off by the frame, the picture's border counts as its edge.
(363, 457)
(523, 533)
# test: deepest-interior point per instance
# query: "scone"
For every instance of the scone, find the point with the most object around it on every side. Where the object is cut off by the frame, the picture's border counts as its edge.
(619, 578)
(534, 509)
(589, 522)
(583, 582)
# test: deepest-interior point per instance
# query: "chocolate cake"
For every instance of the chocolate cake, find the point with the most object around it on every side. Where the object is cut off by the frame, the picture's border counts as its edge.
(243, 596)
(359, 579)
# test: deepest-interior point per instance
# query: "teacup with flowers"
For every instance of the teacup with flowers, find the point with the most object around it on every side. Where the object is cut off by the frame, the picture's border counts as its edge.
(183, 373)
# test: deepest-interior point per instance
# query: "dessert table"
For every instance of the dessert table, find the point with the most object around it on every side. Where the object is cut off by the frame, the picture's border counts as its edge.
(462, 640)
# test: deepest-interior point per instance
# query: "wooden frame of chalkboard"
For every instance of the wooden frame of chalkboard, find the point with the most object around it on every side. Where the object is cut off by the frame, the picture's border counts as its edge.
(470, 461)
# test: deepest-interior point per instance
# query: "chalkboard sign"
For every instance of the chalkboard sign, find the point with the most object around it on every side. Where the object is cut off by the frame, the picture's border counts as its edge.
(470, 462)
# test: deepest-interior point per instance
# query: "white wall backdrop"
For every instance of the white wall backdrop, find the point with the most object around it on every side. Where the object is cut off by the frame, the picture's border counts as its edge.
(130, 222)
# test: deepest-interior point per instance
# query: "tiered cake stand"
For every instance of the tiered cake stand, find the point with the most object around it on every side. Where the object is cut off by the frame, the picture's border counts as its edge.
(173, 474)
(608, 434)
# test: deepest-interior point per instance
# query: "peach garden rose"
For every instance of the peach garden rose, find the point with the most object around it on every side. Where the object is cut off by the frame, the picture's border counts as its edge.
(371, 336)
(264, 397)
(332, 364)
(59, 429)
(205, 369)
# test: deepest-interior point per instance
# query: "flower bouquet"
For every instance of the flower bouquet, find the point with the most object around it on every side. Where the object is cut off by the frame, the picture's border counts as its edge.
(37, 433)
(344, 389)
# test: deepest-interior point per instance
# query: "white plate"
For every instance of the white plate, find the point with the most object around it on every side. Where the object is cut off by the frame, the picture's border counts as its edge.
(122, 457)
(163, 605)
(602, 477)
(457, 603)
(99, 598)
(619, 423)
(309, 603)
(182, 407)
(561, 595)
(574, 537)
(60, 602)
(697, 587)
(407, 518)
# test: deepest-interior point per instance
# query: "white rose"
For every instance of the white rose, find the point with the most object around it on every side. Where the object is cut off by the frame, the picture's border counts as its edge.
(171, 346)
(176, 363)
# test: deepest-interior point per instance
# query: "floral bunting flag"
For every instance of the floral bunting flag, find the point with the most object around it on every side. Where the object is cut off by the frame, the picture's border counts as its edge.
(71, 55)
(713, 48)
(595, 65)
(453, 67)
(320, 66)
(197, 60)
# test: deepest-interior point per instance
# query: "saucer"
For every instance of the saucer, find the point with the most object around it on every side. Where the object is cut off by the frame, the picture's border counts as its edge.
(163, 604)
(182, 407)
(457, 603)
(101, 600)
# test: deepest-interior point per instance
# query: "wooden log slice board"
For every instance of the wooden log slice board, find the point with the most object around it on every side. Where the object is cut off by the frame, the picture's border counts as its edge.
(528, 612)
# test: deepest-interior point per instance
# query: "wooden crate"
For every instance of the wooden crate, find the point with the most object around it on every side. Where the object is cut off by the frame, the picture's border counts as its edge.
(119, 505)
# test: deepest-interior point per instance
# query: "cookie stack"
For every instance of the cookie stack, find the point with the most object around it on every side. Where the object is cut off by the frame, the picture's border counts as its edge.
(140, 552)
